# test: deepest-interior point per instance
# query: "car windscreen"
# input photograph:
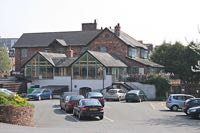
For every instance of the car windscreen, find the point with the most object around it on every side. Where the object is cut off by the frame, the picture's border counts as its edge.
(37, 91)
(91, 103)
(95, 95)
(75, 98)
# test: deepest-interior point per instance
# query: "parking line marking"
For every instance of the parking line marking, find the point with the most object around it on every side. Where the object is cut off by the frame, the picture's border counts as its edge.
(152, 106)
(163, 105)
(108, 119)
(72, 117)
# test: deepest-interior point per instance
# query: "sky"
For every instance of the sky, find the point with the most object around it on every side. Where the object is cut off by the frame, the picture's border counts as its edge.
(152, 21)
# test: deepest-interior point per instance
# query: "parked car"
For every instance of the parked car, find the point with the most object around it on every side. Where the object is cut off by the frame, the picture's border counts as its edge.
(194, 112)
(176, 101)
(192, 102)
(135, 96)
(96, 95)
(88, 108)
(7, 92)
(39, 94)
(67, 102)
(115, 94)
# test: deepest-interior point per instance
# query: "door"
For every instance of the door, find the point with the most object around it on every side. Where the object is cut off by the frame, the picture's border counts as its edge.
(84, 90)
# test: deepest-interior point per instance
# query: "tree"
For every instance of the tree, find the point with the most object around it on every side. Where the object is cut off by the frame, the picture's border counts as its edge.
(5, 63)
(177, 59)
(196, 49)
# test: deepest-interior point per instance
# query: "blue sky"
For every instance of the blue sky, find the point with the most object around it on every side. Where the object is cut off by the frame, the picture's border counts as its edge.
(152, 21)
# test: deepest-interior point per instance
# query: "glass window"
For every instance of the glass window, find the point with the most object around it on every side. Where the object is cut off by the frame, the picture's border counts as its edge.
(132, 52)
(24, 52)
(144, 53)
(103, 49)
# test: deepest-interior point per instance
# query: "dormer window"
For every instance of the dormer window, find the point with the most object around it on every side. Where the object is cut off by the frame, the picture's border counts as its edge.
(132, 52)
(144, 53)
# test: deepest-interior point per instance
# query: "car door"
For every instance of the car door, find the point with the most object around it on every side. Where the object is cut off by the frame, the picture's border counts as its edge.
(46, 94)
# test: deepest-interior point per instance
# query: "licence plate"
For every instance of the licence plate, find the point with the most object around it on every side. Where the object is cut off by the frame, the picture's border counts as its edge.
(93, 109)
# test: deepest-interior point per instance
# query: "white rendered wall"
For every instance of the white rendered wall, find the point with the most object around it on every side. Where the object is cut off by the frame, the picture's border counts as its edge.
(95, 85)
(55, 81)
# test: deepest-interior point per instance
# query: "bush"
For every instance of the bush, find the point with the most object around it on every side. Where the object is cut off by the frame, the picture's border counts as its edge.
(13, 100)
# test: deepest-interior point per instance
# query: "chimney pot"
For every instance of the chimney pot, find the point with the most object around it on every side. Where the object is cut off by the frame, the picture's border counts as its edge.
(117, 29)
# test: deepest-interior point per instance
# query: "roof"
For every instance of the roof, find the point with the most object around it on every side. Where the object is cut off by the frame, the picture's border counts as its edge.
(130, 40)
(53, 58)
(107, 60)
(65, 62)
(147, 62)
(72, 38)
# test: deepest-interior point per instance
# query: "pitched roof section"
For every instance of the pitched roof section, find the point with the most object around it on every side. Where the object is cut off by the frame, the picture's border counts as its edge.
(53, 58)
(72, 38)
(107, 60)
(129, 40)
(147, 62)
(65, 62)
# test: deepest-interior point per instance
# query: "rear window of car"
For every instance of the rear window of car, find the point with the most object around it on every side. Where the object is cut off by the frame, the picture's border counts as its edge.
(112, 91)
(76, 97)
(97, 94)
(91, 102)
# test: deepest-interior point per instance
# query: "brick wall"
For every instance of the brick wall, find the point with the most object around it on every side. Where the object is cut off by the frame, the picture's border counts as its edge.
(114, 46)
(23, 116)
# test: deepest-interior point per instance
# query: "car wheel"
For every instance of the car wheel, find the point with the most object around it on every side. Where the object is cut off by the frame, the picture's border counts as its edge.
(80, 117)
(66, 110)
(174, 108)
(39, 98)
(198, 116)
(126, 100)
(50, 97)
(101, 117)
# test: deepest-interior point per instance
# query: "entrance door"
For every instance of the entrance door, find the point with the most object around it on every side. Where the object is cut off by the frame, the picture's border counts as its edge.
(84, 90)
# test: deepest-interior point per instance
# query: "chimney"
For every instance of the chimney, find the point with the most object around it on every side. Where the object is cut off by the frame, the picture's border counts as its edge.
(117, 29)
(89, 26)
(70, 52)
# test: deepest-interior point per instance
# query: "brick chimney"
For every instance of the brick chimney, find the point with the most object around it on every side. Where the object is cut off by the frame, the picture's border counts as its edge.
(70, 52)
(117, 29)
(89, 26)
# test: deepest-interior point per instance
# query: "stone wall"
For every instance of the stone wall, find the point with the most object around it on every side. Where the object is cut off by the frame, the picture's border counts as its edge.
(23, 116)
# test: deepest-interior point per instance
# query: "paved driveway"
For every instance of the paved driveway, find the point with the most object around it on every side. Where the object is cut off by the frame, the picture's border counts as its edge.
(120, 117)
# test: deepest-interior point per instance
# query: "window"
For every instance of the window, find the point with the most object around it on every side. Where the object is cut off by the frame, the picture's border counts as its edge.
(132, 52)
(144, 53)
(24, 52)
(103, 49)
(87, 68)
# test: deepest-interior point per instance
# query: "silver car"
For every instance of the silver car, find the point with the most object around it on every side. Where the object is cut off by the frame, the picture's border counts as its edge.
(115, 94)
(176, 101)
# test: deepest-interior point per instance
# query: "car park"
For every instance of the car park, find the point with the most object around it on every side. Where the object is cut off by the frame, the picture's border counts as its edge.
(176, 101)
(135, 96)
(96, 95)
(88, 108)
(115, 94)
(39, 94)
(192, 102)
(68, 102)
(194, 112)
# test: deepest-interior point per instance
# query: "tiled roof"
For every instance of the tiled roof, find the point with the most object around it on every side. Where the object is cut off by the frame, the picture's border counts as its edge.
(147, 62)
(53, 58)
(129, 40)
(107, 60)
(65, 38)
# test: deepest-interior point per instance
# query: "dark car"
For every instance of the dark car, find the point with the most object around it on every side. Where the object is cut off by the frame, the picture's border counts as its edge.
(67, 102)
(96, 95)
(192, 102)
(39, 94)
(88, 108)
(135, 96)
(194, 112)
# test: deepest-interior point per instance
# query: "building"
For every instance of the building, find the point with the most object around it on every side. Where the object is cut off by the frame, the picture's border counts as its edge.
(109, 44)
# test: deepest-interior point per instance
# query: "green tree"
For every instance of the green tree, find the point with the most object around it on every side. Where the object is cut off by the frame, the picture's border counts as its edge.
(177, 59)
(5, 63)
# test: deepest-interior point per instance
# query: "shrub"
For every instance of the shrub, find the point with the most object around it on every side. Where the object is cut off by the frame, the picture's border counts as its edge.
(13, 100)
